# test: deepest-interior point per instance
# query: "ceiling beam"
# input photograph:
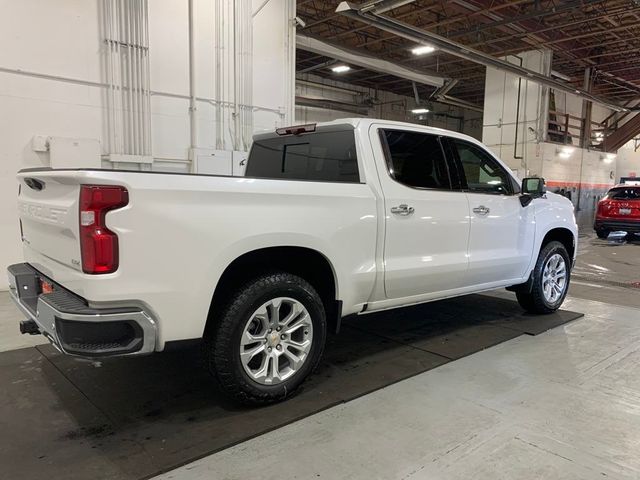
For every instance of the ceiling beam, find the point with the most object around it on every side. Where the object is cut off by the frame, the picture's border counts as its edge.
(422, 36)
(356, 57)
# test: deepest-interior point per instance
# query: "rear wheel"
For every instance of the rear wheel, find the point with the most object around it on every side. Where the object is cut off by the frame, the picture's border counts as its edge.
(551, 277)
(268, 339)
(602, 233)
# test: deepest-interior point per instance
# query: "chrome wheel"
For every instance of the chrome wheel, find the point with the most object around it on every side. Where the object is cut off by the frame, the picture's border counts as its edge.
(276, 341)
(554, 278)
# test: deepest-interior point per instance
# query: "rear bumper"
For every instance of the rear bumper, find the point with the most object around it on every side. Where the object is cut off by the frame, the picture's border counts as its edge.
(629, 226)
(75, 328)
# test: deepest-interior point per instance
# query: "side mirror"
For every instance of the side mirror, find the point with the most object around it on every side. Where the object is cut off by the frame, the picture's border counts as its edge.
(532, 187)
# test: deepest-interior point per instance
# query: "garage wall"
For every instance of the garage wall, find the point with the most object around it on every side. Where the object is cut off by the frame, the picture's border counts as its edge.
(380, 104)
(52, 84)
(584, 177)
(517, 134)
(628, 162)
(514, 110)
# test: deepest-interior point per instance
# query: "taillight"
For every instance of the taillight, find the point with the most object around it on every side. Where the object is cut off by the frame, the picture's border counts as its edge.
(604, 206)
(98, 244)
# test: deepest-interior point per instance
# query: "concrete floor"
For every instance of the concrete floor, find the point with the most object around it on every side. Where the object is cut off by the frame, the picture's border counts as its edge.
(564, 404)
(561, 405)
(607, 272)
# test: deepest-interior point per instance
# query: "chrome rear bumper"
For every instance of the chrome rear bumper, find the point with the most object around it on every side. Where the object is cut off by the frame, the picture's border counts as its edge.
(75, 328)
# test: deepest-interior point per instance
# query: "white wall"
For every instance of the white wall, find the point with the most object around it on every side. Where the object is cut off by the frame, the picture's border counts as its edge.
(582, 175)
(52, 83)
(513, 112)
(628, 161)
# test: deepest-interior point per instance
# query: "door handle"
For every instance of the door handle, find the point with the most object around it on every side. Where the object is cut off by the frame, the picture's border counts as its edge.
(403, 209)
(481, 210)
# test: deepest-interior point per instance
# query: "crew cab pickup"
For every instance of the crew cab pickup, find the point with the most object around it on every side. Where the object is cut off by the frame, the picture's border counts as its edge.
(335, 219)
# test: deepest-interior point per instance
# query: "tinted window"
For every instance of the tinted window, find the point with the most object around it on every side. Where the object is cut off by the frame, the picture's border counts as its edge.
(625, 193)
(416, 159)
(320, 156)
(482, 172)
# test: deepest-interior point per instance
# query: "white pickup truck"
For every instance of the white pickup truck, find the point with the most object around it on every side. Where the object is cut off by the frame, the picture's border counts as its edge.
(341, 218)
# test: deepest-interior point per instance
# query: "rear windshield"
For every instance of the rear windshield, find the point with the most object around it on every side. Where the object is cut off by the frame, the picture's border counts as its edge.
(624, 193)
(321, 156)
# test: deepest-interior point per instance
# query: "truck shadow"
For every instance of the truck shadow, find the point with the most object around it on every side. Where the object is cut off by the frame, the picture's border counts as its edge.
(149, 414)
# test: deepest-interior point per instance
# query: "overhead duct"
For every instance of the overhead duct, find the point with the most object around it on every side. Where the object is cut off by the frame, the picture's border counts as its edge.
(355, 57)
(422, 36)
(381, 6)
(328, 104)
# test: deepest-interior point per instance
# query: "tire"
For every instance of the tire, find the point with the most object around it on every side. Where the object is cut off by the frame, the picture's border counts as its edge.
(543, 301)
(602, 234)
(253, 311)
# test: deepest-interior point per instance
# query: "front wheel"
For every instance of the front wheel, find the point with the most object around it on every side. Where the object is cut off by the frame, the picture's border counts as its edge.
(268, 339)
(551, 277)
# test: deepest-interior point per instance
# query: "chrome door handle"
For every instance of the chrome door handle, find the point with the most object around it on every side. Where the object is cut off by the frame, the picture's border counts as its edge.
(403, 209)
(481, 210)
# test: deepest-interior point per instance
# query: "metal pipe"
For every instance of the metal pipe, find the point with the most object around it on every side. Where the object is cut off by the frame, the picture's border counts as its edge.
(108, 17)
(234, 53)
(456, 102)
(138, 50)
(219, 26)
(193, 142)
(264, 4)
(135, 117)
(126, 18)
(422, 36)
(147, 80)
(382, 6)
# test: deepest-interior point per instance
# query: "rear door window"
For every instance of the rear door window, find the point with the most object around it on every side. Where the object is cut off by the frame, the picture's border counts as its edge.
(416, 159)
(320, 156)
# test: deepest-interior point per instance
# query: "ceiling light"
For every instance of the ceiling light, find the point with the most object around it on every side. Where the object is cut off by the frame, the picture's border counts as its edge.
(561, 76)
(564, 152)
(418, 111)
(423, 49)
(608, 157)
(341, 68)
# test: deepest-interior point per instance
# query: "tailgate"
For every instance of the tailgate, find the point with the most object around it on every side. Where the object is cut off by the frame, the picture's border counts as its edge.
(48, 210)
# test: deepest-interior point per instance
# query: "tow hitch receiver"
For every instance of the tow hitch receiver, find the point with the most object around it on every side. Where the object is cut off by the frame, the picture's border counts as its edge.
(30, 327)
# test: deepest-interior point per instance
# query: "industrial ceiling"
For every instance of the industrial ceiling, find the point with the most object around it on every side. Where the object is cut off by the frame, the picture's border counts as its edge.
(603, 35)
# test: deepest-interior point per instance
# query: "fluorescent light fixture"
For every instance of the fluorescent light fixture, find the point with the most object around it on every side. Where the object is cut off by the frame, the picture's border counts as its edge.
(565, 152)
(561, 76)
(423, 50)
(341, 68)
(418, 111)
(608, 157)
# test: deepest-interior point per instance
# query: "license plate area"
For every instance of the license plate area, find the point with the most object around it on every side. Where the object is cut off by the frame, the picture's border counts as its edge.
(624, 211)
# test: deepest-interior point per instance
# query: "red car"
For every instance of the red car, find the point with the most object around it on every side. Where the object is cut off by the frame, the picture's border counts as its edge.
(619, 210)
